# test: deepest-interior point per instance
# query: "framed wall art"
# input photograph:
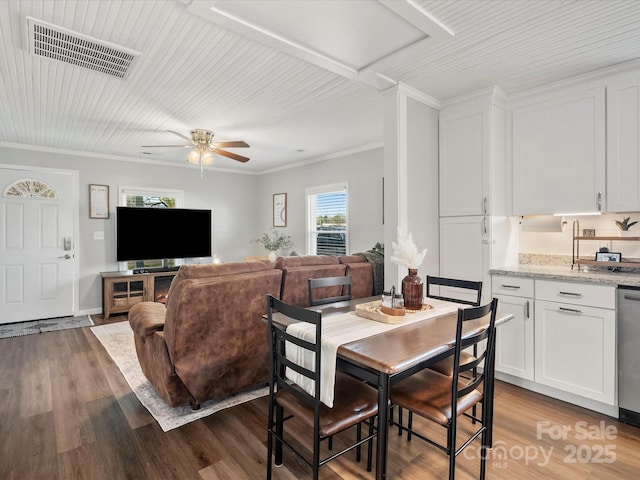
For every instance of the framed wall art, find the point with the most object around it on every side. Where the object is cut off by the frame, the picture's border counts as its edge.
(279, 209)
(98, 201)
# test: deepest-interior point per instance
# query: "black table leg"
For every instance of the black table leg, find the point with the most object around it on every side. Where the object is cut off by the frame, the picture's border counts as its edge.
(383, 425)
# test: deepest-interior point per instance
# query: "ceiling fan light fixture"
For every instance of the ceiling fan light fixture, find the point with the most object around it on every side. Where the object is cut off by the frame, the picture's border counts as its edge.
(207, 157)
(201, 154)
(194, 156)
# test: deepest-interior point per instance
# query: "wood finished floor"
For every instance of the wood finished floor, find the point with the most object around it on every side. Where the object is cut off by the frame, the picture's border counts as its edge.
(66, 412)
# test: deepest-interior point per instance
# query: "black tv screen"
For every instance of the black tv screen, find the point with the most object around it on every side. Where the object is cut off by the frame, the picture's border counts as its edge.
(160, 233)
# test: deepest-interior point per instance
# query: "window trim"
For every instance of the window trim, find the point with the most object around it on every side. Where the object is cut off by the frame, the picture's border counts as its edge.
(123, 191)
(310, 217)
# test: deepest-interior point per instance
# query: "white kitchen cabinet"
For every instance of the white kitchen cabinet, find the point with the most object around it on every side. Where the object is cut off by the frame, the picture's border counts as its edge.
(623, 146)
(575, 342)
(464, 251)
(558, 153)
(515, 338)
(463, 154)
(472, 139)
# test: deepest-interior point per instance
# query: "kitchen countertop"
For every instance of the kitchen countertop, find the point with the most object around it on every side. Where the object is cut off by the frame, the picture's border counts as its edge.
(564, 273)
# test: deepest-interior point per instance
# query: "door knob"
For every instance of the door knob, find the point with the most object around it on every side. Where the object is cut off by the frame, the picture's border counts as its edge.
(66, 257)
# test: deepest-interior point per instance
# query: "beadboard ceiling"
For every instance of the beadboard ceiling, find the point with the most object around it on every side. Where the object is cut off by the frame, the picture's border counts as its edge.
(297, 80)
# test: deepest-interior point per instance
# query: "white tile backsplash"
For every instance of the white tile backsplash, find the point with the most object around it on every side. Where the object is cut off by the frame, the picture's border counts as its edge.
(560, 243)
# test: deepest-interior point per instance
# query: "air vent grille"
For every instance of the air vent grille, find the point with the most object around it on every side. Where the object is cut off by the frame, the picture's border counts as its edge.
(57, 43)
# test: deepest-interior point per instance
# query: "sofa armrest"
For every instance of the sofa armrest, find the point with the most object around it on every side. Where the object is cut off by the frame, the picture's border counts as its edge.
(146, 318)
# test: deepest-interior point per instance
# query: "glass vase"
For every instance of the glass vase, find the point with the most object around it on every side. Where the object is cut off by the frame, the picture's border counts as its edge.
(412, 290)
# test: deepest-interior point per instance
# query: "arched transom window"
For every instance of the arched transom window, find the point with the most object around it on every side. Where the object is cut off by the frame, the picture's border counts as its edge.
(30, 188)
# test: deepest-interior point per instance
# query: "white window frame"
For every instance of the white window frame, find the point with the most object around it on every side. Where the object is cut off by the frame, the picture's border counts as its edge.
(310, 231)
(123, 192)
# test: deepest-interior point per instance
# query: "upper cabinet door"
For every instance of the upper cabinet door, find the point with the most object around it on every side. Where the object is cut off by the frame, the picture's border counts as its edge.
(558, 154)
(464, 149)
(623, 146)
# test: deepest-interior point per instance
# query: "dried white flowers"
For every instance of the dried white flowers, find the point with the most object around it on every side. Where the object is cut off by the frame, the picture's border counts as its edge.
(406, 253)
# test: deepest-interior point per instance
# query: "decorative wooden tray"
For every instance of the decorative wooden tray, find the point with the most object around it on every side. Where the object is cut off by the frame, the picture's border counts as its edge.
(372, 311)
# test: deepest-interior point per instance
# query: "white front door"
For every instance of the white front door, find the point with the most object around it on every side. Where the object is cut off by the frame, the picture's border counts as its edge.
(37, 244)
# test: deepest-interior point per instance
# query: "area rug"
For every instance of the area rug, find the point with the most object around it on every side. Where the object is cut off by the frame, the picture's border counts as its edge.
(19, 329)
(117, 339)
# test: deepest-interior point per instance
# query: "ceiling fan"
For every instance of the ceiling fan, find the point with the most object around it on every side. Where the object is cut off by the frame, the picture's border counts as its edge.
(203, 147)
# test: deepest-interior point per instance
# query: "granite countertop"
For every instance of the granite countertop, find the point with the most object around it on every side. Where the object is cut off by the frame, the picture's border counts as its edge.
(603, 277)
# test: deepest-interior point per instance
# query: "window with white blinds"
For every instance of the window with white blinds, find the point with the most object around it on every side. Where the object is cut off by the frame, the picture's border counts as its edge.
(327, 220)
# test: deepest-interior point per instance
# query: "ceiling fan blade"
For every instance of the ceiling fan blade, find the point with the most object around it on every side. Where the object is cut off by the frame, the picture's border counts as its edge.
(239, 158)
(154, 146)
(236, 144)
(188, 139)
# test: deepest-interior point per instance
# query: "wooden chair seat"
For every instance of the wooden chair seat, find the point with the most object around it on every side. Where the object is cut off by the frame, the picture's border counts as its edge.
(354, 402)
(428, 394)
(445, 366)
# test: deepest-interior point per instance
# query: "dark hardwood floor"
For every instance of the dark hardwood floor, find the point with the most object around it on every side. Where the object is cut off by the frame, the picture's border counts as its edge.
(66, 412)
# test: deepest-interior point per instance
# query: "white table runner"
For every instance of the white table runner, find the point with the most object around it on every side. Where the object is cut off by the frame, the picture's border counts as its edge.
(338, 330)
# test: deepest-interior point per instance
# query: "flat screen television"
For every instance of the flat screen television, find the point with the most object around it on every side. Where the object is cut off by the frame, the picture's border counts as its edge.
(162, 233)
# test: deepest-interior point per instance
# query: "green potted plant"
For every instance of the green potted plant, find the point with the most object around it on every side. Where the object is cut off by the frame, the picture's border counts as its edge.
(624, 226)
(273, 242)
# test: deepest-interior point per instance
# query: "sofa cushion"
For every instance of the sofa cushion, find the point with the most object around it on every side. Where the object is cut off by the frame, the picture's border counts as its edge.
(215, 270)
(305, 261)
(295, 282)
(352, 259)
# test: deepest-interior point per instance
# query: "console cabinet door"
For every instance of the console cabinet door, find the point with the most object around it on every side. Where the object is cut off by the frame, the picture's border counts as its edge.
(558, 154)
(514, 339)
(623, 146)
(575, 349)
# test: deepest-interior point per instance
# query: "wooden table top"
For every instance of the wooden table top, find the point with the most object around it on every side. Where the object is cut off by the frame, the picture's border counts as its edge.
(403, 347)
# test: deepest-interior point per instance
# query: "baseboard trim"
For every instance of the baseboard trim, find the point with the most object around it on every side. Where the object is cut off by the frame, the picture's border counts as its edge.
(610, 410)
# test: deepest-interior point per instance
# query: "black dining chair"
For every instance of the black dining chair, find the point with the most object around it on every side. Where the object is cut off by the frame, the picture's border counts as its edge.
(354, 401)
(443, 399)
(339, 289)
(467, 288)
(470, 292)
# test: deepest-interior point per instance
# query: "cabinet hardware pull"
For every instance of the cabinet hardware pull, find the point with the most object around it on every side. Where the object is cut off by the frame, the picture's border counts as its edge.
(599, 201)
(484, 205)
(631, 297)
(570, 310)
(528, 310)
(515, 287)
(570, 294)
(484, 225)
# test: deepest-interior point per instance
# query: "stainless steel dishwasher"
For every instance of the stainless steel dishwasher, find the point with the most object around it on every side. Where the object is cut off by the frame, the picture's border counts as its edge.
(629, 354)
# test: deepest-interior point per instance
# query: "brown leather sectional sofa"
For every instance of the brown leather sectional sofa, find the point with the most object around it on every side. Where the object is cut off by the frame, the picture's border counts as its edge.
(209, 341)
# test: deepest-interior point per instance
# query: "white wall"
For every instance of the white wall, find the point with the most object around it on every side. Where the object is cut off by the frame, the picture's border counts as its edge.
(363, 173)
(422, 183)
(231, 197)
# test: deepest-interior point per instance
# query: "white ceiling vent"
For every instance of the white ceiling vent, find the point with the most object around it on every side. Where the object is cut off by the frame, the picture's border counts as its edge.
(58, 43)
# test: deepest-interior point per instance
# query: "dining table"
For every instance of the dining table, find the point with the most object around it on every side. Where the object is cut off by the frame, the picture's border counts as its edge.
(384, 358)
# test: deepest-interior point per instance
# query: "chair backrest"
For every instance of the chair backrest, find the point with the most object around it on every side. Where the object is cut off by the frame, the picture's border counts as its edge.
(335, 289)
(280, 362)
(473, 336)
(474, 288)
